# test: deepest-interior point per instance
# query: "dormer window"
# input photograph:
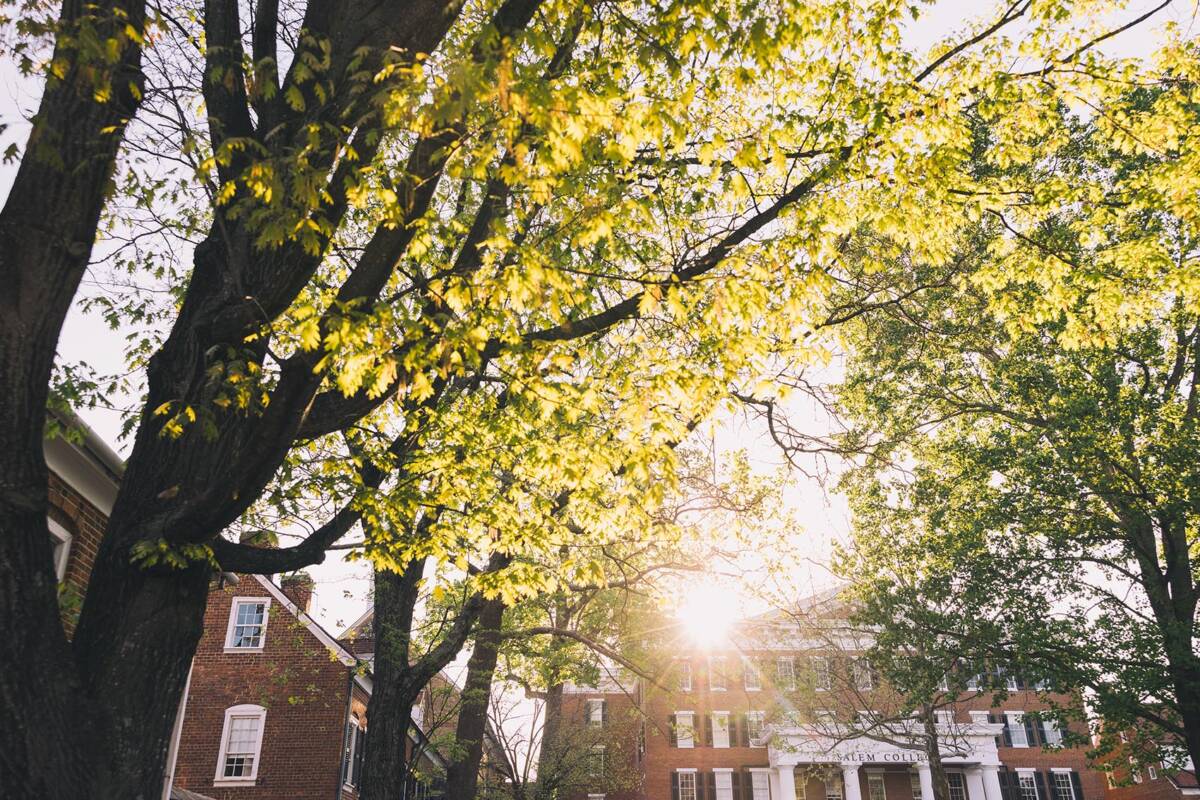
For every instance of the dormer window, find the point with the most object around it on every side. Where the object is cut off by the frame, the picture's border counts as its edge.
(247, 624)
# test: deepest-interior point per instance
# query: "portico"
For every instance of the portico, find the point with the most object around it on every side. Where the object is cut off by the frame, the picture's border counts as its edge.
(970, 751)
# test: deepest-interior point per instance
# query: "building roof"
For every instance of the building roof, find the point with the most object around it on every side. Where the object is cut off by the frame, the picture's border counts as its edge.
(184, 794)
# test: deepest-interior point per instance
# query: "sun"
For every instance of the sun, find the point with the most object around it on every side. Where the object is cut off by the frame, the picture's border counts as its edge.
(707, 615)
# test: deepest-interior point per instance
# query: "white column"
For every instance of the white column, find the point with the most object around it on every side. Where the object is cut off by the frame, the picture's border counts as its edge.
(786, 780)
(991, 782)
(975, 784)
(925, 774)
(773, 782)
(850, 776)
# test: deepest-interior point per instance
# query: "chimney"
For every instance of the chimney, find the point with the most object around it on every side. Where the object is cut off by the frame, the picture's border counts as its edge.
(299, 587)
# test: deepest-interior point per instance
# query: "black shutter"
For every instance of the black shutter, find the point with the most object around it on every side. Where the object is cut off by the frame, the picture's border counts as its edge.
(1076, 785)
(671, 729)
(1007, 731)
(708, 728)
(349, 737)
(1003, 775)
(736, 780)
(712, 785)
(360, 749)
(1031, 732)
(1041, 786)
(699, 785)
(674, 786)
(604, 712)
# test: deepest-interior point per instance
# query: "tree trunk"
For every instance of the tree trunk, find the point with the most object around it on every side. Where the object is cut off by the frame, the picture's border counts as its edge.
(462, 777)
(933, 751)
(47, 229)
(548, 748)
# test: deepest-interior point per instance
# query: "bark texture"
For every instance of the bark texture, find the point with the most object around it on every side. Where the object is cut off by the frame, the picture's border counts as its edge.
(462, 778)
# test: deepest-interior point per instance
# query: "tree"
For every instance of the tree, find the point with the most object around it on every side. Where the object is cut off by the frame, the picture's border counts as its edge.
(393, 203)
(1030, 499)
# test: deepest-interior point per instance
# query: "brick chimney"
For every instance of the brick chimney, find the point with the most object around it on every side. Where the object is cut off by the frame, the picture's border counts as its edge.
(299, 587)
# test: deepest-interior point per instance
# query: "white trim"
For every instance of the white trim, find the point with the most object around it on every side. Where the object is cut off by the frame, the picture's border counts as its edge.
(84, 472)
(685, 769)
(229, 628)
(248, 710)
(722, 769)
(64, 538)
(691, 727)
(339, 651)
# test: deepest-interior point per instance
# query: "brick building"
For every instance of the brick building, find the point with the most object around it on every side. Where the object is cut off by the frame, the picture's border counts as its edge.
(275, 707)
(743, 720)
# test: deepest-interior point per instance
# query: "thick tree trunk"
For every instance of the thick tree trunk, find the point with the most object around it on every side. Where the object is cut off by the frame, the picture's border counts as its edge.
(462, 778)
(549, 750)
(50, 743)
(933, 751)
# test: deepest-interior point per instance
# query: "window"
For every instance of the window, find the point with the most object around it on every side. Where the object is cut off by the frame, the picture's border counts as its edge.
(1015, 725)
(914, 780)
(753, 681)
(1051, 735)
(944, 683)
(958, 787)
(595, 713)
(785, 672)
(1062, 786)
(754, 726)
(1134, 772)
(833, 788)
(685, 729)
(1152, 771)
(800, 779)
(864, 676)
(596, 761)
(943, 717)
(875, 787)
(247, 623)
(1027, 785)
(823, 674)
(716, 673)
(760, 785)
(685, 676)
(60, 540)
(723, 780)
(687, 785)
(720, 729)
(355, 750)
(241, 740)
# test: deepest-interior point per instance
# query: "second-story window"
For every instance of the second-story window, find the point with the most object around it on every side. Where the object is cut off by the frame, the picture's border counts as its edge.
(785, 673)
(716, 673)
(685, 729)
(595, 713)
(685, 676)
(864, 676)
(247, 623)
(822, 674)
(720, 729)
(751, 679)
(1051, 735)
(1015, 725)
(754, 726)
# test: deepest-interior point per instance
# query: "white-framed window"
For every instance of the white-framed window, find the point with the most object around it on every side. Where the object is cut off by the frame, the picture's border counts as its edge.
(754, 726)
(241, 743)
(687, 784)
(1015, 720)
(785, 672)
(1152, 771)
(944, 683)
(914, 780)
(957, 784)
(720, 729)
(760, 784)
(751, 678)
(875, 787)
(823, 674)
(943, 717)
(801, 782)
(864, 676)
(833, 788)
(60, 540)
(1027, 785)
(352, 757)
(247, 624)
(685, 675)
(595, 712)
(685, 729)
(596, 761)
(1010, 682)
(1061, 785)
(1051, 733)
(716, 673)
(723, 780)
(1134, 772)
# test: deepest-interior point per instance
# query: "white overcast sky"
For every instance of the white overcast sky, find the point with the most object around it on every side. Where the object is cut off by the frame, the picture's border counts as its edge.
(341, 588)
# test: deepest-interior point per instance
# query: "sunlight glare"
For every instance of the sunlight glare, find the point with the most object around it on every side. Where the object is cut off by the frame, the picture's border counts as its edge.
(707, 616)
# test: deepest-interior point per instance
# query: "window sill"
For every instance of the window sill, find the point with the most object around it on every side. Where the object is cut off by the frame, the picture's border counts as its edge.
(234, 782)
(229, 649)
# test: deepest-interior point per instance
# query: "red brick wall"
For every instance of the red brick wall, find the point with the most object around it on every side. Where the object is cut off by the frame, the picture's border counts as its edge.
(86, 525)
(303, 689)
(620, 735)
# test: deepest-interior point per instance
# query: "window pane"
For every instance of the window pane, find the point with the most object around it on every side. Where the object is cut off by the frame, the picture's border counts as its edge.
(958, 789)
(684, 730)
(1063, 790)
(761, 784)
(687, 786)
(1028, 786)
(724, 781)
(875, 787)
(240, 747)
(248, 624)
(914, 780)
(720, 730)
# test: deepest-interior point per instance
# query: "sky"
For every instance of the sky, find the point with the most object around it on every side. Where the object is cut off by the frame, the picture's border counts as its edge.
(342, 589)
